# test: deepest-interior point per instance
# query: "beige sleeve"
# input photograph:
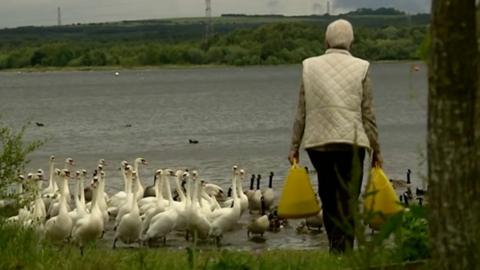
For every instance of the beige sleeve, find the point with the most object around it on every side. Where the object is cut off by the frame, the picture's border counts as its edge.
(368, 115)
(299, 123)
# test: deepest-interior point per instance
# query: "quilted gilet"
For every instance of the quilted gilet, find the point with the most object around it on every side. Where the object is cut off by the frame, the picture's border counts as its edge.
(333, 99)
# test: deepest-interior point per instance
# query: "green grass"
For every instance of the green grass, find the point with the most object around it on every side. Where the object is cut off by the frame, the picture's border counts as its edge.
(22, 249)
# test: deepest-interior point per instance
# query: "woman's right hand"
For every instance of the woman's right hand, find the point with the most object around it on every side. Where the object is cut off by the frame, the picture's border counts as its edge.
(294, 155)
(377, 160)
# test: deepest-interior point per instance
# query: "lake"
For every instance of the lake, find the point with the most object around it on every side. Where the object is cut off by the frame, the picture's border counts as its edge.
(239, 115)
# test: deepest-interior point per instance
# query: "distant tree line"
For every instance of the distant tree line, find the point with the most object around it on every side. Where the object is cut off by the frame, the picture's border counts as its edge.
(271, 44)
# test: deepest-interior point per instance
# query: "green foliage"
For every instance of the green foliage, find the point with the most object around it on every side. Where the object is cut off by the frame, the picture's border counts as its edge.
(13, 157)
(267, 44)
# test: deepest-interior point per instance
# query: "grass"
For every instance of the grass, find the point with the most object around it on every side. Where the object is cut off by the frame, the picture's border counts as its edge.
(23, 249)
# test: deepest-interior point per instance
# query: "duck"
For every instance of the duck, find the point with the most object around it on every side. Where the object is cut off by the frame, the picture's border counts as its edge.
(276, 222)
(259, 225)
(130, 226)
(401, 183)
(250, 191)
(255, 202)
(58, 228)
(150, 190)
(315, 222)
(268, 193)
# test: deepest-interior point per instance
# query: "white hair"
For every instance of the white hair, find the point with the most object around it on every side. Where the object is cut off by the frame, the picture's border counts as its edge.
(339, 34)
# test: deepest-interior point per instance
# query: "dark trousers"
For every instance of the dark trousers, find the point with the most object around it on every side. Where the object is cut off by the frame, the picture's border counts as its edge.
(339, 184)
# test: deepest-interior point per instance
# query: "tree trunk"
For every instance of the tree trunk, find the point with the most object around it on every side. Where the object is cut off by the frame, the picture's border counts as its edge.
(453, 136)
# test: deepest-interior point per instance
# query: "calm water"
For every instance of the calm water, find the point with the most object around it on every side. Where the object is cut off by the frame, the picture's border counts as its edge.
(239, 116)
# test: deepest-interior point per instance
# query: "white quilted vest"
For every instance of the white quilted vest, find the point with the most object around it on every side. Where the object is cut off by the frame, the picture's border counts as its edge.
(333, 99)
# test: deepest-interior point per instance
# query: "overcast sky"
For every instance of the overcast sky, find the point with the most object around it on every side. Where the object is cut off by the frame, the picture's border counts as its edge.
(44, 12)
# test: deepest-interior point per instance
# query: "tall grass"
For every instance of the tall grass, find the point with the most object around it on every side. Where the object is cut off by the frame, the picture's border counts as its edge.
(22, 248)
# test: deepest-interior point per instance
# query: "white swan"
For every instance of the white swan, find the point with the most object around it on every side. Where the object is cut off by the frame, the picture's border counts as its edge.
(160, 204)
(243, 198)
(80, 208)
(126, 206)
(120, 197)
(58, 228)
(268, 193)
(90, 226)
(54, 207)
(39, 211)
(139, 185)
(198, 221)
(52, 185)
(229, 216)
(130, 225)
(165, 222)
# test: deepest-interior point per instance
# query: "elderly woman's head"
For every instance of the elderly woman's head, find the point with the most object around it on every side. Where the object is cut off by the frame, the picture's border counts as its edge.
(339, 35)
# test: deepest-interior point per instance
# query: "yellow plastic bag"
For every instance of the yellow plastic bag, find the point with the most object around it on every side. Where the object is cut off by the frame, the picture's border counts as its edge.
(380, 200)
(298, 199)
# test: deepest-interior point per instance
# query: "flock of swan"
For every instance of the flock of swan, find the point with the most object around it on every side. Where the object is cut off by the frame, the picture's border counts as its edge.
(142, 215)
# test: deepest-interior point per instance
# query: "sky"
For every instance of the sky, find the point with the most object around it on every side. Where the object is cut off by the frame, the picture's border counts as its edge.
(15, 13)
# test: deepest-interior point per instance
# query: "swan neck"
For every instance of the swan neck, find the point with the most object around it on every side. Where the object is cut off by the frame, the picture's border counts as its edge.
(234, 188)
(169, 190)
(179, 190)
(239, 186)
(50, 175)
(82, 191)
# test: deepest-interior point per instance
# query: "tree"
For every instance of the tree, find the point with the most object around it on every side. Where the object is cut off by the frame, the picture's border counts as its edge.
(453, 136)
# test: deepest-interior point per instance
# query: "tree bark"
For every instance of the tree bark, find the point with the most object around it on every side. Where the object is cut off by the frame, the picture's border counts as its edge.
(453, 136)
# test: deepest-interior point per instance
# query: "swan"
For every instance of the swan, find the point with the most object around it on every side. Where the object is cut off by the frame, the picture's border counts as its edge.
(243, 198)
(90, 226)
(268, 193)
(130, 225)
(120, 197)
(49, 193)
(52, 185)
(54, 207)
(165, 222)
(139, 186)
(198, 222)
(39, 213)
(146, 202)
(260, 224)
(160, 204)
(58, 228)
(126, 206)
(229, 216)
(256, 197)
(80, 208)
(69, 166)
